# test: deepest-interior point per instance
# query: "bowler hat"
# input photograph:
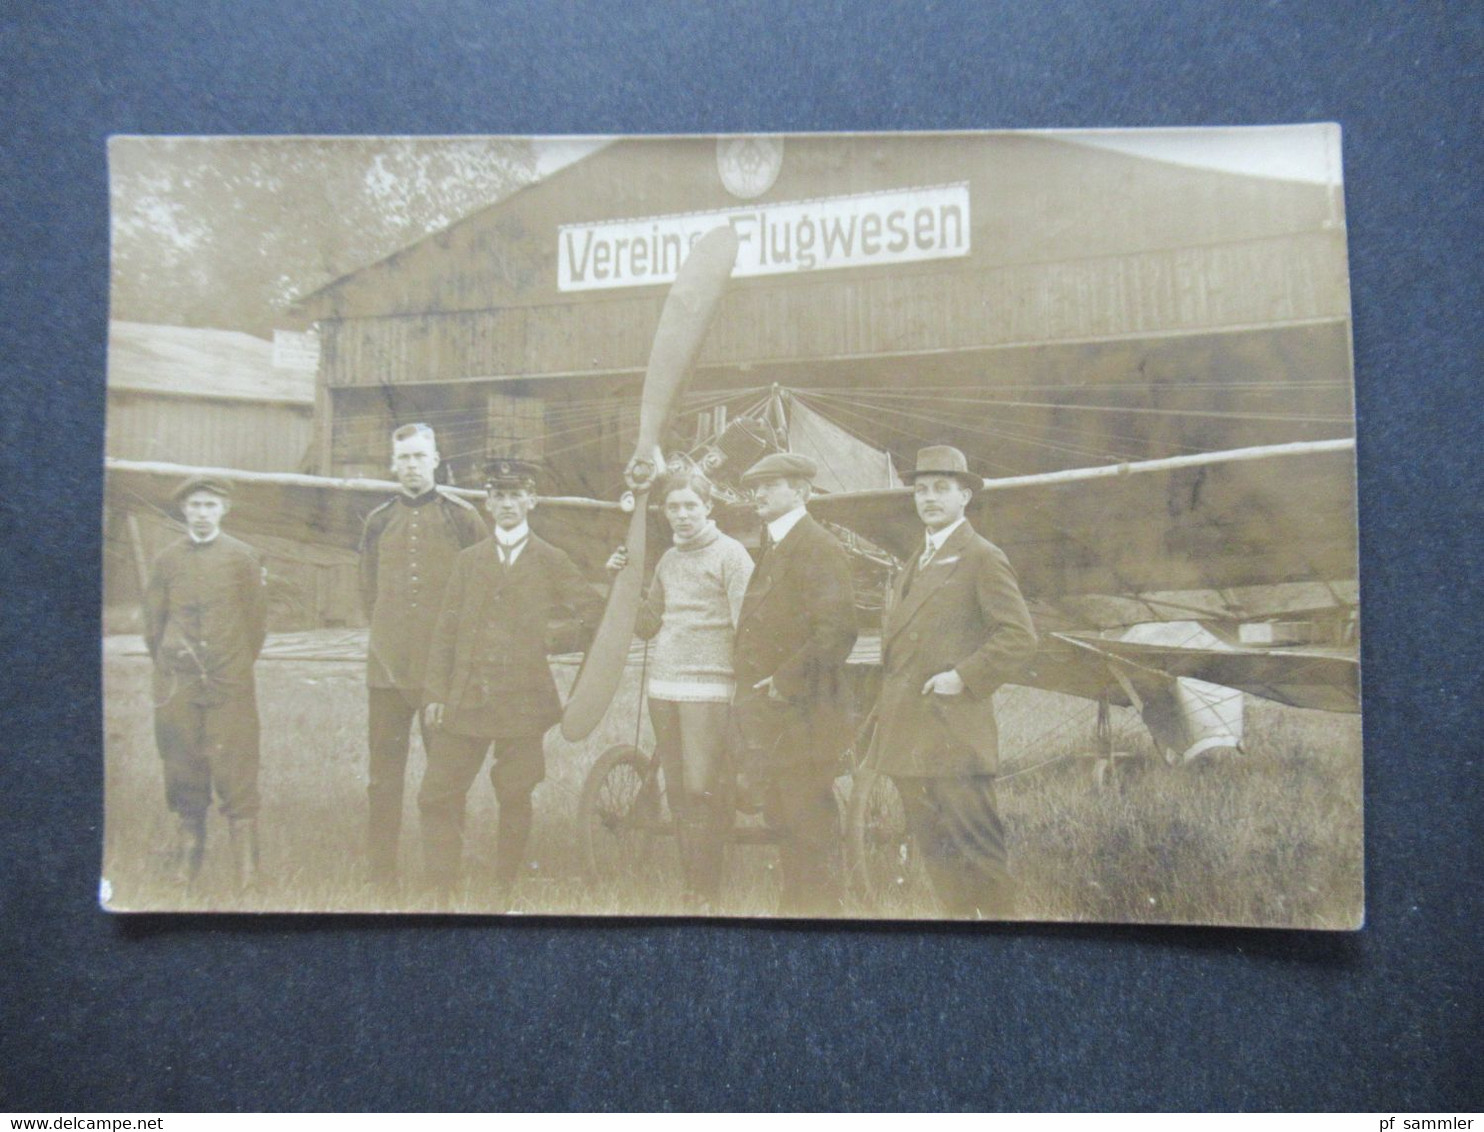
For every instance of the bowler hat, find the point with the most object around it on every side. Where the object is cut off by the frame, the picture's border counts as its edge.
(503, 471)
(202, 483)
(942, 460)
(782, 465)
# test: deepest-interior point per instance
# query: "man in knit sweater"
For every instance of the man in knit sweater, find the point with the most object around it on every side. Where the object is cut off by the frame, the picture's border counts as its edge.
(691, 616)
(795, 631)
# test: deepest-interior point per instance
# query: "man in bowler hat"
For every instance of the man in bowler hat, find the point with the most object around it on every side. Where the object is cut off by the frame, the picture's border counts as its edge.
(488, 683)
(957, 629)
(206, 616)
(794, 633)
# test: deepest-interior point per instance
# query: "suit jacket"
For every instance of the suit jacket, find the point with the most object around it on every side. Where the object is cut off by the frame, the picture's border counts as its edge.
(797, 625)
(487, 662)
(963, 611)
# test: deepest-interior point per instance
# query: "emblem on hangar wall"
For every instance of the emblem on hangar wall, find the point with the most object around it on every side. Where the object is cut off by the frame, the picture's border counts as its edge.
(749, 165)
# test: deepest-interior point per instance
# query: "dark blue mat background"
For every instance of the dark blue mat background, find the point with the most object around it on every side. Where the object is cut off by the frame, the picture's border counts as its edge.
(170, 1013)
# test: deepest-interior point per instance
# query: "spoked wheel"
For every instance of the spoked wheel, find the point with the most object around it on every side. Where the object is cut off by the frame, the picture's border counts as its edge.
(620, 814)
(886, 874)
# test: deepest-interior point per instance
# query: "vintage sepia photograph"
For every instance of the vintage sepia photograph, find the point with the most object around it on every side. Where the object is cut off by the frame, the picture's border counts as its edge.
(826, 526)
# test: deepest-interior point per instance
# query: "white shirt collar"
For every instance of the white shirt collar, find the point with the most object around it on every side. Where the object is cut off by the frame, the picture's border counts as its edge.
(510, 538)
(936, 539)
(203, 541)
(785, 523)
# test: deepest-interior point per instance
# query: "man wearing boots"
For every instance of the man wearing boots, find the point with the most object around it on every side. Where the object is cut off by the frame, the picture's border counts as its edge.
(407, 553)
(794, 633)
(957, 629)
(488, 682)
(205, 614)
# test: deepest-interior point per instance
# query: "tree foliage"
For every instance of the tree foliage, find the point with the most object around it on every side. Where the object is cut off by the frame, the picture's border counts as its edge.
(227, 232)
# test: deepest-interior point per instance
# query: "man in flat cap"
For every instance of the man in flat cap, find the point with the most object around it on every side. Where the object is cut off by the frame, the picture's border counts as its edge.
(407, 553)
(957, 629)
(794, 633)
(206, 615)
(488, 682)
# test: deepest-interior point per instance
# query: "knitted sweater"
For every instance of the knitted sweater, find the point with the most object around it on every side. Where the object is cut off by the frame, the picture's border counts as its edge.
(691, 613)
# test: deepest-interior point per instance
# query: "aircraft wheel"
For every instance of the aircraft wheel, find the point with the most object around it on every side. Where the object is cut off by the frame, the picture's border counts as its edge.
(619, 814)
(885, 870)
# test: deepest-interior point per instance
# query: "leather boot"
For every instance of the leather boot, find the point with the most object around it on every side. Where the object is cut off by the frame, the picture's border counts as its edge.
(701, 834)
(688, 836)
(718, 812)
(188, 849)
(243, 833)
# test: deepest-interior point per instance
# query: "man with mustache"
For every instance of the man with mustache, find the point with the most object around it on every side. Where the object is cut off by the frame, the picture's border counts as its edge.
(794, 633)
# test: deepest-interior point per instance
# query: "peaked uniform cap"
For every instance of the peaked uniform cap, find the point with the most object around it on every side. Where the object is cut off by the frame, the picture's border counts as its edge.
(504, 471)
(783, 465)
(943, 460)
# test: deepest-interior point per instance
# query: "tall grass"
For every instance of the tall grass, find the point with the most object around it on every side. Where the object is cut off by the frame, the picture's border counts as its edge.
(1271, 838)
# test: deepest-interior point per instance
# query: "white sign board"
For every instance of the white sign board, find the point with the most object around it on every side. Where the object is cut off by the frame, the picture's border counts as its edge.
(862, 230)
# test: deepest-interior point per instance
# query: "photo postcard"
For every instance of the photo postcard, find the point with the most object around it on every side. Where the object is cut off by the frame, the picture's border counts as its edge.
(925, 526)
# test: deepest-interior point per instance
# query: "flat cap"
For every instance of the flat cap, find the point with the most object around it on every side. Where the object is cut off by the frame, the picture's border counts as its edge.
(943, 460)
(504, 471)
(782, 465)
(202, 483)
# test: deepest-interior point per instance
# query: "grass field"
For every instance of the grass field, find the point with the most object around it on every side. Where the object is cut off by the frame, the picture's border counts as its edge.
(1270, 838)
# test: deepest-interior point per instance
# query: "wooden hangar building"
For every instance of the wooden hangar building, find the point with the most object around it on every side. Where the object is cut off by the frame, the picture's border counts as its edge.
(1038, 301)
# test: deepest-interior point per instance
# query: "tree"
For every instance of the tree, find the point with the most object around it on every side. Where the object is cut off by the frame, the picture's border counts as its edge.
(227, 232)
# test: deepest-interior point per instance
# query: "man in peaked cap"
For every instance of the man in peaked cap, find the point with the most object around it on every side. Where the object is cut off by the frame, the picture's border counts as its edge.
(957, 628)
(794, 633)
(407, 553)
(488, 681)
(205, 615)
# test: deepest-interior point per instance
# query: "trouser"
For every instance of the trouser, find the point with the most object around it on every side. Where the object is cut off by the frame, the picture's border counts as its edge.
(453, 764)
(957, 828)
(389, 725)
(799, 806)
(690, 740)
(206, 747)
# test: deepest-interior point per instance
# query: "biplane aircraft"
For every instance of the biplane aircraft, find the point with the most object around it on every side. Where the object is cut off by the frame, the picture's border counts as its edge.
(1171, 586)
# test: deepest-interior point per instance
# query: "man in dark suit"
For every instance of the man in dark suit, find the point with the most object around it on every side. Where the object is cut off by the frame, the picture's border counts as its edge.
(205, 620)
(956, 630)
(407, 553)
(794, 633)
(488, 681)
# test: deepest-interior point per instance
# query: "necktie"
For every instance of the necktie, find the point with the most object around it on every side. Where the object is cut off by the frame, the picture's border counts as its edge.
(507, 553)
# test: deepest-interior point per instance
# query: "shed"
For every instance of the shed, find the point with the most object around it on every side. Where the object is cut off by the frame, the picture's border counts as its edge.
(1039, 302)
(215, 398)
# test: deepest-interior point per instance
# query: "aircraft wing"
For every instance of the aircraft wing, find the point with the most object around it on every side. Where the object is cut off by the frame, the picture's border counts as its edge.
(1246, 517)
(1327, 679)
(329, 513)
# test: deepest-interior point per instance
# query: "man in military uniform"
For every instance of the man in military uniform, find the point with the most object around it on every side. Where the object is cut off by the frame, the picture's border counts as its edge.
(488, 681)
(205, 614)
(407, 553)
(957, 629)
(794, 633)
